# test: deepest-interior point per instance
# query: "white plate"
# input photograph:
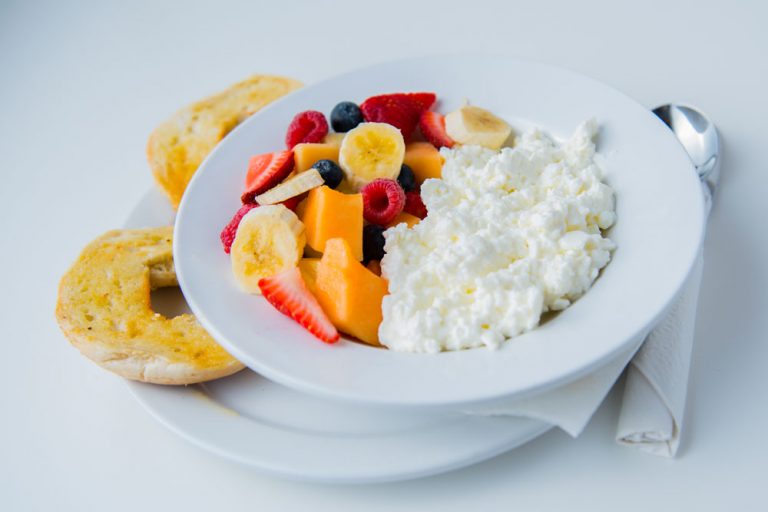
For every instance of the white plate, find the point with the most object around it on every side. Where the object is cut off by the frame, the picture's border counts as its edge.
(254, 421)
(659, 232)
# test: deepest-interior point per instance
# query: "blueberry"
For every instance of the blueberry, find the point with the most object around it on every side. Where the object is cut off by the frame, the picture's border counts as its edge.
(345, 116)
(373, 242)
(406, 178)
(330, 171)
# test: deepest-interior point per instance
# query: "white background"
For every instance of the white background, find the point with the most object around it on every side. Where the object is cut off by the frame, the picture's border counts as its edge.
(83, 84)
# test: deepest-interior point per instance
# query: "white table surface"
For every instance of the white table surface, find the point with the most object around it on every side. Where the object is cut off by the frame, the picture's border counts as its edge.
(83, 84)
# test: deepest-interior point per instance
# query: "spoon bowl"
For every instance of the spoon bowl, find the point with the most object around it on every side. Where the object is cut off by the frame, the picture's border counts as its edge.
(699, 137)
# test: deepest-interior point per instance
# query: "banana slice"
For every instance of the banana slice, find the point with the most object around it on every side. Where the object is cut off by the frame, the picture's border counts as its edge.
(474, 125)
(269, 239)
(371, 151)
(291, 187)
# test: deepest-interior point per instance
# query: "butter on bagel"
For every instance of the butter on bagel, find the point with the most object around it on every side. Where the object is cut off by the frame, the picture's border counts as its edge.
(104, 309)
(178, 146)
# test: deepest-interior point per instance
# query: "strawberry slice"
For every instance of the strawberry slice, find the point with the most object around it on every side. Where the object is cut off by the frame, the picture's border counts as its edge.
(265, 171)
(288, 293)
(401, 110)
(432, 126)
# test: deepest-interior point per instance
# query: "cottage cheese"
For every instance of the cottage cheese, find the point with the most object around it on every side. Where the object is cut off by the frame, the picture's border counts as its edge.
(509, 235)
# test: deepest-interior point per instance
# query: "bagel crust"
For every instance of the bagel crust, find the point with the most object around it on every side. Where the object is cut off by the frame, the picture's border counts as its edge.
(179, 145)
(104, 310)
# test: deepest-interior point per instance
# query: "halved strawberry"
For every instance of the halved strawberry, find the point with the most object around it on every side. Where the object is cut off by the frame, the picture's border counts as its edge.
(432, 126)
(423, 100)
(288, 293)
(265, 171)
(401, 110)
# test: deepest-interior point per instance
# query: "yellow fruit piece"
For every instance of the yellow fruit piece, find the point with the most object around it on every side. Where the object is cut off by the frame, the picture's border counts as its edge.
(308, 268)
(401, 217)
(334, 139)
(475, 125)
(269, 240)
(294, 186)
(371, 151)
(424, 159)
(349, 293)
(330, 214)
(305, 155)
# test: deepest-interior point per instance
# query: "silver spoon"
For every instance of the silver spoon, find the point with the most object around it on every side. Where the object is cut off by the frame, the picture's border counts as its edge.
(699, 137)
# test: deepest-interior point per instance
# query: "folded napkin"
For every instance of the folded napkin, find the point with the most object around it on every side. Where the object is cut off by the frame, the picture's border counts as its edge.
(652, 409)
(568, 407)
(653, 406)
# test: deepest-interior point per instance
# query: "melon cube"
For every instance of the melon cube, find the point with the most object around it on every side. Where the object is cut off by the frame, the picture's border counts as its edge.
(308, 268)
(424, 159)
(334, 138)
(349, 293)
(401, 217)
(306, 154)
(328, 214)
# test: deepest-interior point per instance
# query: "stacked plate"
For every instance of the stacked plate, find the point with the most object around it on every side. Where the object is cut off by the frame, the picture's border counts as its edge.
(353, 413)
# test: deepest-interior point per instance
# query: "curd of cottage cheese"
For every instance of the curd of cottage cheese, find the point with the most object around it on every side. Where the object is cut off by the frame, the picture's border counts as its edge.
(510, 234)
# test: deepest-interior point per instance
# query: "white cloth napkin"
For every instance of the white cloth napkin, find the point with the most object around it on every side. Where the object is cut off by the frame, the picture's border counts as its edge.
(654, 398)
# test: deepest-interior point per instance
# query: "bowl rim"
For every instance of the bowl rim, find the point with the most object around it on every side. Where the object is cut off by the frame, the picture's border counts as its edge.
(425, 392)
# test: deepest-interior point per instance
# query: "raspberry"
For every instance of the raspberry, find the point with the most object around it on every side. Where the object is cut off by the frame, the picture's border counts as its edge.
(308, 126)
(382, 200)
(414, 205)
(230, 230)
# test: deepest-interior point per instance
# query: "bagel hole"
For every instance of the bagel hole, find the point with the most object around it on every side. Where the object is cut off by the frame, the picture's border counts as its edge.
(168, 302)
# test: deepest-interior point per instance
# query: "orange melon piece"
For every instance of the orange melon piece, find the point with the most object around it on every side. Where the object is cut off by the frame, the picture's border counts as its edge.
(424, 159)
(334, 138)
(306, 154)
(349, 293)
(401, 217)
(330, 214)
(308, 268)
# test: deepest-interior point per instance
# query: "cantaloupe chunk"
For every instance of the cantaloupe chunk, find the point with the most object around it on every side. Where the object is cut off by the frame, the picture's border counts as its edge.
(401, 217)
(349, 293)
(334, 138)
(424, 159)
(328, 214)
(308, 268)
(306, 154)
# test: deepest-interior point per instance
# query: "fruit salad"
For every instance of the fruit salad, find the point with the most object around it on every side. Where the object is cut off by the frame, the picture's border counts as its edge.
(331, 230)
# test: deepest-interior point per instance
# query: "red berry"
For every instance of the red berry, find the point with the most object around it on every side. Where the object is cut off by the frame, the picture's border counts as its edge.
(432, 126)
(308, 126)
(382, 200)
(423, 100)
(265, 171)
(230, 230)
(288, 293)
(292, 202)
(401, 110)
(414, 205)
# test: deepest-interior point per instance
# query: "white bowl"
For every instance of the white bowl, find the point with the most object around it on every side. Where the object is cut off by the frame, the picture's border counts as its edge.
(658, 233)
